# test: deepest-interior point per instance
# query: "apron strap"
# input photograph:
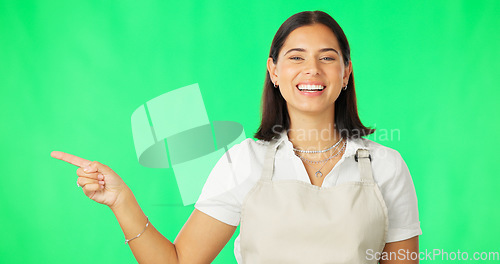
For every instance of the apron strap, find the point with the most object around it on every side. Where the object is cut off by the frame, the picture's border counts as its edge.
(365, 169)
(268, 165)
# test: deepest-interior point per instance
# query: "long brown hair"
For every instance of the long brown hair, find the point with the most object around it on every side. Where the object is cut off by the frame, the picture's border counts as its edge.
(274, 115)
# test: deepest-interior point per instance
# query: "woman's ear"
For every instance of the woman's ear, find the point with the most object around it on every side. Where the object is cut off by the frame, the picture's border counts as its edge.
(271, 68)
(347, 72)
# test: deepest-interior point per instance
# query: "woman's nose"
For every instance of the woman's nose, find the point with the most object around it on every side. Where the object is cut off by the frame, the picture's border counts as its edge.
(311, 67)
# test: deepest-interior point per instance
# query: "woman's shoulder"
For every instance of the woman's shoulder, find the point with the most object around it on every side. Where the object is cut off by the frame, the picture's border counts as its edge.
(248, 152)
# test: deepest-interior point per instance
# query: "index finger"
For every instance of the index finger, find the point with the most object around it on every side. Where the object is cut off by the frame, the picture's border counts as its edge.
(75, 160)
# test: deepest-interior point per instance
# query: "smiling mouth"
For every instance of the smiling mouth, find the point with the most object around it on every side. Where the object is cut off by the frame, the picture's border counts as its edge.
(310, 88)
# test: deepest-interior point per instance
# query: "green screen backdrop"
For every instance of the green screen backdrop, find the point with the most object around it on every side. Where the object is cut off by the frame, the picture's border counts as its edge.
(73, 72)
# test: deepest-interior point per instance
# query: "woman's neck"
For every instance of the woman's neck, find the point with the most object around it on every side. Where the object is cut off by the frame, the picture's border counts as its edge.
(312, 132)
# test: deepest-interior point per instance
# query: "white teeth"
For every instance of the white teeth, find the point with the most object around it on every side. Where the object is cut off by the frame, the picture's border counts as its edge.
(306, 87)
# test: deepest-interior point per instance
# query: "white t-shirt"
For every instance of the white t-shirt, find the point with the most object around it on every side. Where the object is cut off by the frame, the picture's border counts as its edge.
(239, 169)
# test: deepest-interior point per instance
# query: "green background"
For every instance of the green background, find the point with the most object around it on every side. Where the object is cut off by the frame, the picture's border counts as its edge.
(72, 73)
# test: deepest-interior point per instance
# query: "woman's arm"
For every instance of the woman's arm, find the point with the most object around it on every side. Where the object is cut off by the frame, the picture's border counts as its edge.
(199, 241)
(401, 252)
(151, 246)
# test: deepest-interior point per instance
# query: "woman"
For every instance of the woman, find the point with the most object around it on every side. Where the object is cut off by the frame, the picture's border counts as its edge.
(310, 190)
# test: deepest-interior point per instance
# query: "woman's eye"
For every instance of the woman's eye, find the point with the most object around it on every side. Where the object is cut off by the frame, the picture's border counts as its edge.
(299, 58)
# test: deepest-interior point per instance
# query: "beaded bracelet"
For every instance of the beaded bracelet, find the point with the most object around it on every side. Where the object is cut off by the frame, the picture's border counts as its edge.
(128, 240)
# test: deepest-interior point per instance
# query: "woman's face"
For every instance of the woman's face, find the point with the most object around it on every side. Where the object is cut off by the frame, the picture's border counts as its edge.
(310, 55)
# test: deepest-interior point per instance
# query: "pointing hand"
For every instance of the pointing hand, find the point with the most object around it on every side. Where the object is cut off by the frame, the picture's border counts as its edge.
(98, 181)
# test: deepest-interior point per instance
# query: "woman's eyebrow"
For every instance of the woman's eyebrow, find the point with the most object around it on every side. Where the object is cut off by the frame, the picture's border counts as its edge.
(303, 50)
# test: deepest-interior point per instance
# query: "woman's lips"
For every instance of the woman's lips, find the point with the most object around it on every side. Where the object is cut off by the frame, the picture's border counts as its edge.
(312, 93)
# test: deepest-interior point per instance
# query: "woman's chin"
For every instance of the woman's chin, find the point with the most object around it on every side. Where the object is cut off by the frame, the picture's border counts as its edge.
(316, 109)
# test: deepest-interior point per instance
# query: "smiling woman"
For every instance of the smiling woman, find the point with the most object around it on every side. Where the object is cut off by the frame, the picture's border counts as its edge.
(309, 190)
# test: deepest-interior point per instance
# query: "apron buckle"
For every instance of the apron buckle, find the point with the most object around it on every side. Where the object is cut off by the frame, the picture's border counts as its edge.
(356, 157)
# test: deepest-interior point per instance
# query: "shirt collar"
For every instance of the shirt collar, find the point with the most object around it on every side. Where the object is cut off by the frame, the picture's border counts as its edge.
(353, 144)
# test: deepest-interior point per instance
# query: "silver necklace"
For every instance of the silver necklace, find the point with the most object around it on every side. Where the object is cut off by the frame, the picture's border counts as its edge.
(318, 151)
(319, 161)
(318, 172)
